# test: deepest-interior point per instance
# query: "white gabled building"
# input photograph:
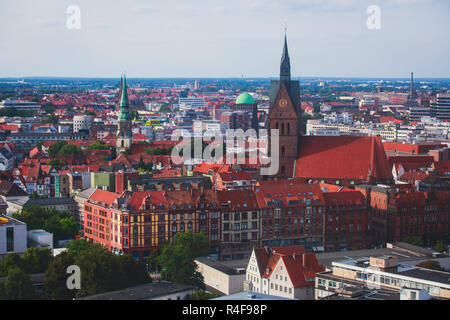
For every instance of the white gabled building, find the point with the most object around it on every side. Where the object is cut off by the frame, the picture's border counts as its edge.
(287, 272)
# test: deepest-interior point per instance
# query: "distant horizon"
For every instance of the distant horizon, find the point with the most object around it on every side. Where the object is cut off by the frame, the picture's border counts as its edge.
(236, 78)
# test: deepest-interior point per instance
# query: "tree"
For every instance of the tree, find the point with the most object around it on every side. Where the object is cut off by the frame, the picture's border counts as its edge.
(439, 246)
(57, 163)
(152, 260)
(17, 286)
(56, 278)
(70, 149)
(202, 295)
(12, 260)
(414, 240)
(99, 145)
(177, 258)
(431, 264)
(75, 247)
(36, 260)
(51, 119)
(103, 271)
(61, 224)
(56, 147)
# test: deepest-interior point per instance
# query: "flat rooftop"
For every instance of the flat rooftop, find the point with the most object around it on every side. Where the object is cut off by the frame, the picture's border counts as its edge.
(220, 266)
(403, 252)
(244, 295)
(11, 222)
(145, 291)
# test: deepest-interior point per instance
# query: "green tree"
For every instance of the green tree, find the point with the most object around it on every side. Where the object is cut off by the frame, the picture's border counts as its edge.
(165, 108)
(57, 163)
(12, 260)
(56, 147)
(177, 258)
(414, 240)
(61, 224)
(70, 149)
(51, 119)
(75, 247)
(202, 295)
(36, 260)
(99, 145)
(439, 246)
(152, 260)
(56, 278)
(431, 264)
(17, 286)
(103, 271)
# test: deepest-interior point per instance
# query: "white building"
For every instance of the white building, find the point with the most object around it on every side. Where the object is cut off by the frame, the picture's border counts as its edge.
(82, 122)
(7, 158)
(287, 272)
(220, 276)
(40, 239)
(13, 236)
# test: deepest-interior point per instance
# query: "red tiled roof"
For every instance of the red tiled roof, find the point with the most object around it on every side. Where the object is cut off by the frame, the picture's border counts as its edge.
(342, 157)
(390, 118)
(104, 196)
(238, 199)
(287, 190)
(235, 176)
(300, 266)
(411, 162)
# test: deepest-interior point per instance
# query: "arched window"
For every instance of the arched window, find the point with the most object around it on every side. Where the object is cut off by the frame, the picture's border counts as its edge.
(122, 143)
(288, 128)
(282, 151)
(283, 171)
(282, 129)
(276, 127)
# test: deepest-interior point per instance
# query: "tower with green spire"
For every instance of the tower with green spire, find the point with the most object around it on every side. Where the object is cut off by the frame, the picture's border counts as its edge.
(124, 135)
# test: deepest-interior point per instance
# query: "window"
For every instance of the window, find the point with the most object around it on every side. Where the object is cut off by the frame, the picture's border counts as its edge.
(10, 239)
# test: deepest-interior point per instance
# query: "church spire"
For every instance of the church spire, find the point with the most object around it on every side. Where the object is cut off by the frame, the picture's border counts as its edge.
(124, 94)
(285, 66)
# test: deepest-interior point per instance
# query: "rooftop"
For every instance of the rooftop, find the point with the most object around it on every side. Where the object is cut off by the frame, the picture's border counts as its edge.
(147, 291)
(244, 295)
(218, 265)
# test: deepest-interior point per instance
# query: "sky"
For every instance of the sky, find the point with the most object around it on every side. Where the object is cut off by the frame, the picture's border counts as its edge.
(224, 38)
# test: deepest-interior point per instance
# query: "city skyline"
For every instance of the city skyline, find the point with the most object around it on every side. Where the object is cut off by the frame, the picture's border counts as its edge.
(150, 41)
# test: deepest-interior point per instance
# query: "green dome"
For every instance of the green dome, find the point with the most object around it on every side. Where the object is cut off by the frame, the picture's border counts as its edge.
(245, 98)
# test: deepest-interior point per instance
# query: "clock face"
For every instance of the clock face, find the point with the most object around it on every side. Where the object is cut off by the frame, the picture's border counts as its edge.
(283, 103)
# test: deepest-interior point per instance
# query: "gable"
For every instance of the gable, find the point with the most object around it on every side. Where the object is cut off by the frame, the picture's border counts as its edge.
(283, 106)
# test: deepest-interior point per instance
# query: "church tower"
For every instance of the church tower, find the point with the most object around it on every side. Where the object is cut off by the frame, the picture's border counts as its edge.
(124, 135)
(285, 115)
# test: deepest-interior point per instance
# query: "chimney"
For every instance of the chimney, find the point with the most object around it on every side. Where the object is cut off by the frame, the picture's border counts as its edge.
(304, 259)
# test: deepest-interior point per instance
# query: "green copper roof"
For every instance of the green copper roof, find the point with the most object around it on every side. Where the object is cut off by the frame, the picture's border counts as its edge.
(124, 94)
(124, 113)
(245, 98)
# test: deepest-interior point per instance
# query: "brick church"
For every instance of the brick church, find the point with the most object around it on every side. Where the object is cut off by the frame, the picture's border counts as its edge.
(341, 160)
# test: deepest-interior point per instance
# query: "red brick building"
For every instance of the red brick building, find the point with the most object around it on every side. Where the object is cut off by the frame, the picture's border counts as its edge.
(346, 222)
(291, 213)
(399, 213)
